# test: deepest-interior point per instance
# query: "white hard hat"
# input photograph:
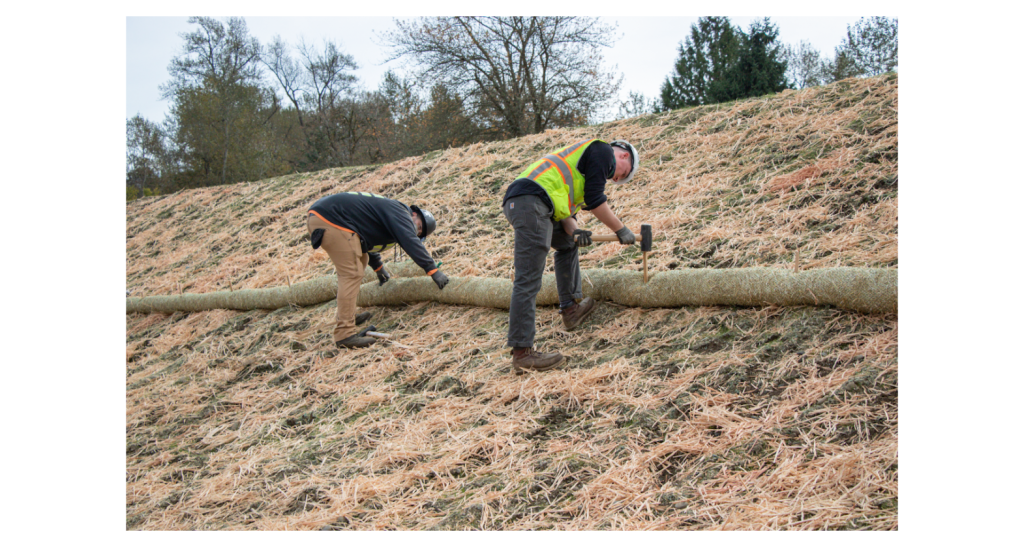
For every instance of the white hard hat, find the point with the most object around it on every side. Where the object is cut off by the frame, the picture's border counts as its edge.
(618, 143)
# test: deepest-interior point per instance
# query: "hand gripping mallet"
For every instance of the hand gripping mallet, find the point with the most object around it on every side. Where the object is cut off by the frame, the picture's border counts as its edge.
(646, 239)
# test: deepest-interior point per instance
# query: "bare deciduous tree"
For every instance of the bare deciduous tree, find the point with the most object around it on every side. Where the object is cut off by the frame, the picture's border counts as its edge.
(804, 65)
(521, 75)
(636, 105)
(872, 44)
(321, 89)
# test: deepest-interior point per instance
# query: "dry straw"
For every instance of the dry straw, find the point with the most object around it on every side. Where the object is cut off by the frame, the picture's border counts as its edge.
(737, 185)
(690, 417)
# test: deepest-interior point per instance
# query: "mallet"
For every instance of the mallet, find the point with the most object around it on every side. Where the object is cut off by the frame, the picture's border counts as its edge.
(646, 237)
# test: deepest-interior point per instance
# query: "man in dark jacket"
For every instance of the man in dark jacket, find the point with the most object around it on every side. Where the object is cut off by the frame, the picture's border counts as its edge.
(354, 227)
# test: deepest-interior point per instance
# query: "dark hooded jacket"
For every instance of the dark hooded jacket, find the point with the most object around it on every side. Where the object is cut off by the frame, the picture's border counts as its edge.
(379, 222)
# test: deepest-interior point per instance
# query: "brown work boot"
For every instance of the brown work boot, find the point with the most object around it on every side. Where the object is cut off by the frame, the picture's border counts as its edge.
(356, 341)
(526, 359)
(362, 317)
(576, 313)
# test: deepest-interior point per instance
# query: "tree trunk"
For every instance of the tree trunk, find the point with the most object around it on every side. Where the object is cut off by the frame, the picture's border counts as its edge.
(224, 166)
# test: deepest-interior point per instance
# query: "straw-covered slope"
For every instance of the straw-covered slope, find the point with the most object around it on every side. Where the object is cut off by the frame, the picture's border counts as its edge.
(677, 418)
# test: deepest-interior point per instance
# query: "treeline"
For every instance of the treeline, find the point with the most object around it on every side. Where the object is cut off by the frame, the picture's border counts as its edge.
(242, 110)
(719, 62)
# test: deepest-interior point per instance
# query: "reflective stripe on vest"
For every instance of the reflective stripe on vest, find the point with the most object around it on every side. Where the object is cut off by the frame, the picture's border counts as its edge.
(367, 194)
(569, 177)
(563, 169)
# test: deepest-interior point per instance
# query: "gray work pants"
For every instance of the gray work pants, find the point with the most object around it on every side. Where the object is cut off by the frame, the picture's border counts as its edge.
(536, 232)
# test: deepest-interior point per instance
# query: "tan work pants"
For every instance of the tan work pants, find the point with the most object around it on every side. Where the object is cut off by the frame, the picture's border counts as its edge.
(350, 263)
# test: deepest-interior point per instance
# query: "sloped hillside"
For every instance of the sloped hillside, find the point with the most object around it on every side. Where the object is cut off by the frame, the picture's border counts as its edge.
(687, 418)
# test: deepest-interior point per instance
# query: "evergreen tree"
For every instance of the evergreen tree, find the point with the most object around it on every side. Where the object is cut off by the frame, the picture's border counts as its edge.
(710, 50)
(719, 62)
(760, 67)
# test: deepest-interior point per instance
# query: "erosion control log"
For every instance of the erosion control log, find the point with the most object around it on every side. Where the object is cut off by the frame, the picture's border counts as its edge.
(867, 290)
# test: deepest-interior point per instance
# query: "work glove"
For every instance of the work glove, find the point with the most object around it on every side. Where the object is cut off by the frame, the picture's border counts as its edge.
(582, 237)
(625, 236)
(440, 279)
(383, 276)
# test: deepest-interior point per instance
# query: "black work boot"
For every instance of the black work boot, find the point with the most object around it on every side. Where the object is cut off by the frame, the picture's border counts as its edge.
(356, 341)
(362, 317)
(576, 313)
(526, 359)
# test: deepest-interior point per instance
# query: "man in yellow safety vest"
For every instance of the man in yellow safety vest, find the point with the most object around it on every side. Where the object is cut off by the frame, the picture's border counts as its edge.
(541, 205)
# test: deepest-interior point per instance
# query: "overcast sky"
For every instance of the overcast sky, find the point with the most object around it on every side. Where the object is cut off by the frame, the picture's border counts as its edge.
(644, 53)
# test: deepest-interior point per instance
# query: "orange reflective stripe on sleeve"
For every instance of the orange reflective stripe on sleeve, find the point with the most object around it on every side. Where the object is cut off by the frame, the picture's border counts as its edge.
(431, 272)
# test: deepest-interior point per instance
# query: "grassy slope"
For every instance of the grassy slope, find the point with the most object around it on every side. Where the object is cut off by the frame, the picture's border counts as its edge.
(697, 418)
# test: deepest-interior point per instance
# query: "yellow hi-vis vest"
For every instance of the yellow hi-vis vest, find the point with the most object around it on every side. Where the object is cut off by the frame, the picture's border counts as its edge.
(557, 174)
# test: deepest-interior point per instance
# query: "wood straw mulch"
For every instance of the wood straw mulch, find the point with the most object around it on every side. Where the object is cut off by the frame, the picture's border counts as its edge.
(699, 418)
(803, 180)
(663, 419)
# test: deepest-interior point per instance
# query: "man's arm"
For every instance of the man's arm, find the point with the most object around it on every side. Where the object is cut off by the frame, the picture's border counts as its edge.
(378, 268)
(603, 213)
(404, 232)
(598, 162)
(569, 225)
(375, 261)
(607, 217)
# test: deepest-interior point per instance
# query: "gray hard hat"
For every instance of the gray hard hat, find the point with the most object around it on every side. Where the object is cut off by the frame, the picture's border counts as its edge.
(429, 224)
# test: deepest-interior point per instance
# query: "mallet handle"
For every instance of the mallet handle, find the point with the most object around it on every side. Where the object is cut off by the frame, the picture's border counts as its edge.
(611, 237)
